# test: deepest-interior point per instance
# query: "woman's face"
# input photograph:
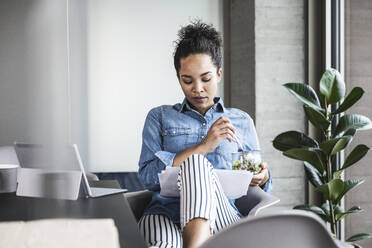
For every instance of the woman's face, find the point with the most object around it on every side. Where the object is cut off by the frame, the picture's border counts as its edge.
(198, 78)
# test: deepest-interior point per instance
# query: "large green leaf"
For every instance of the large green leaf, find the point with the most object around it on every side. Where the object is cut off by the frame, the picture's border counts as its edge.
(293, 139)
(311, 208)
(331, 190)
(314, 209)
(348, 185)
(337, 209)
(308, 155)
(355, 155)
(313, 175)
(355, 94)
(333, 146)
(322, 156)
(332, 86)
(350, 132)
(357, 122)
(359, 236)
(325, 207)
(304, 93)
(340, 214)
(316, 118)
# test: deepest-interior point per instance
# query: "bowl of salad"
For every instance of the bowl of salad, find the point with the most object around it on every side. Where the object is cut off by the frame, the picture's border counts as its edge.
(247, 160)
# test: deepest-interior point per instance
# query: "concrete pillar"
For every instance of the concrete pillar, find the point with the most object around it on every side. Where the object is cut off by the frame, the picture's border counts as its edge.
(358, 64)
(267, 50)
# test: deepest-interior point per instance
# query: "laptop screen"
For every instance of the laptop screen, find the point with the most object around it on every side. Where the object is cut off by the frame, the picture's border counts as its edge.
(50, 157)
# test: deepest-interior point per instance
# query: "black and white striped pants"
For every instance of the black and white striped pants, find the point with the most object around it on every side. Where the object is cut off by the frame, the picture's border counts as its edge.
(201, 196)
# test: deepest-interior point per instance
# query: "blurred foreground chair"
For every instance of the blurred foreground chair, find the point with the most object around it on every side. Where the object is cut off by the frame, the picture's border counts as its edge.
(60, 233)
(249, 205)
(289, 229)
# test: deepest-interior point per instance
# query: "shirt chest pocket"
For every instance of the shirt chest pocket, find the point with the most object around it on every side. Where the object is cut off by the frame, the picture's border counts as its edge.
(175, 138)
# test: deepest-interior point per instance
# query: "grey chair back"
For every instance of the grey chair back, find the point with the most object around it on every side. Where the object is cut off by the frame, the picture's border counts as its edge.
(290, 229)
(138, 202)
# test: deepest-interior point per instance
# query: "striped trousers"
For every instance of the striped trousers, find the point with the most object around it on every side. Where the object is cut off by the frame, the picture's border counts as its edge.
(201, 196)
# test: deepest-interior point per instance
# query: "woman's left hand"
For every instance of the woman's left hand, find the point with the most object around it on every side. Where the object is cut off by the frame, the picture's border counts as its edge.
(260, 178)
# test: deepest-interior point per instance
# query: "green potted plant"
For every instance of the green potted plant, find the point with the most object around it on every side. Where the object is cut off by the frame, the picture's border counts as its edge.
(318, 154)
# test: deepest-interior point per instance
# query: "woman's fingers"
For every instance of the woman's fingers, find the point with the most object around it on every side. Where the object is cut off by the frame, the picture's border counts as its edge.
(263, 165)
(223, 122)
(220, 130)
(258, 178)
(254, 182)
(230, 135)
(223, 128)
(227, 134)
(220, 121)
(230, 126)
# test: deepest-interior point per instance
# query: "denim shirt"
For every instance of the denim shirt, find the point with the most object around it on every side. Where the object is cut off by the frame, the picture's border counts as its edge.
(170, 129)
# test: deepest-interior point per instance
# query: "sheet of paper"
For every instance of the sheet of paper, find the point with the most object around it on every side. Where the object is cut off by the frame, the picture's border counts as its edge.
(235, 183)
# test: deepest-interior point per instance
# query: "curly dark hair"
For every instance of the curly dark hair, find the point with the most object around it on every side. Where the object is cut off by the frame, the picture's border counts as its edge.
(197, 38)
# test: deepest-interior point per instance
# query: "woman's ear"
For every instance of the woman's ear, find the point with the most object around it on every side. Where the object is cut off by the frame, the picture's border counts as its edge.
(178, 77)
(219, 74)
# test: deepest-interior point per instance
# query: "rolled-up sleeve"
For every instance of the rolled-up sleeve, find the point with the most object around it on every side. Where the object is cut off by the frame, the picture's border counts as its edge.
(268, 186)
(165, 157)
(153, 158)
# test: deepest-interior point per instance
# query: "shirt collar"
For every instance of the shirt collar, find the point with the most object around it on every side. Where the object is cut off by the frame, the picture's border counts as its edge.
(218, 105)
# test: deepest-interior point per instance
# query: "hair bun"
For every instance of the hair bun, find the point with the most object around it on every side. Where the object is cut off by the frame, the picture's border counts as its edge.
(198, 38)
(198, 30)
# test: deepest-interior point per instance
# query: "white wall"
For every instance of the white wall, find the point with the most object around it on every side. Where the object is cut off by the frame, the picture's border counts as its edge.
(130, 70)
(88, 71)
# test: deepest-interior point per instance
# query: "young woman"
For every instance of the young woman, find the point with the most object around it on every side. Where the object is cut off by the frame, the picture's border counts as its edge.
(197, 136)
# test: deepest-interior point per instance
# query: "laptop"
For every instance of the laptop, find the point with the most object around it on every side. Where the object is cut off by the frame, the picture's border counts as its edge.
(93, 191)
(55, 172)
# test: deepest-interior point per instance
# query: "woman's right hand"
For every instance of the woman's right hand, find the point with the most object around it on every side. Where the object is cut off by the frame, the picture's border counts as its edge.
(220, 130)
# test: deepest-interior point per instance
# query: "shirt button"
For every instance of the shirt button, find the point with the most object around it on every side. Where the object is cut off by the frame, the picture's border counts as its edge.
(174, 132)
(203, 123)
(202, 136)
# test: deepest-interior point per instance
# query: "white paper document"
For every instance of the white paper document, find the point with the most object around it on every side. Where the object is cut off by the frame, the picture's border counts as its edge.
(235, 183)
